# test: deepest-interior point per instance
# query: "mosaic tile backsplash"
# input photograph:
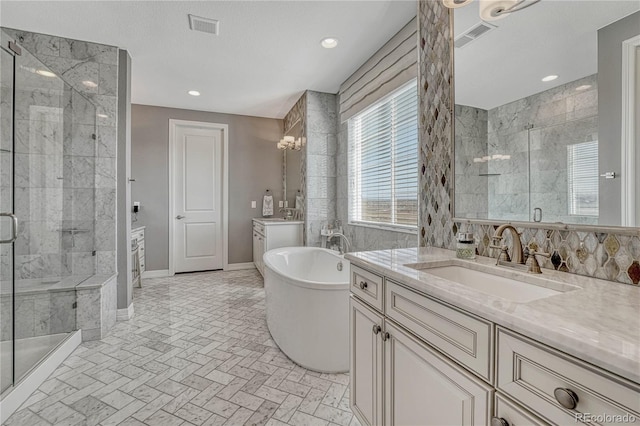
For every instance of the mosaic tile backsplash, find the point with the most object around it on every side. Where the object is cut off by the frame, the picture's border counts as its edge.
(608, 255)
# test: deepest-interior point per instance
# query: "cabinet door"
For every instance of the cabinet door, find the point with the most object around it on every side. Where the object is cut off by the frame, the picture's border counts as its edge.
(423, 388)
(365, 363)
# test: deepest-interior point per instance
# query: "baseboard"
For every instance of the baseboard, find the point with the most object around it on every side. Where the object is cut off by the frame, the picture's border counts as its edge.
(240, 266)
(23, 390)
(125, 314)
(159, 273)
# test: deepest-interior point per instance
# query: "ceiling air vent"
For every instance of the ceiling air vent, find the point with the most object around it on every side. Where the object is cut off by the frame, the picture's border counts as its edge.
(205, 25)
(473, 34)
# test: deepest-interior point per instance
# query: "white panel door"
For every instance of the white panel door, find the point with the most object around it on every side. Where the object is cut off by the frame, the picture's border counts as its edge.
(197, 211)
(423, 388)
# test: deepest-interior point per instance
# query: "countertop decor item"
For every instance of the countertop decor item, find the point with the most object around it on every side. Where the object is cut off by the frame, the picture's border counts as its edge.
(466, 246)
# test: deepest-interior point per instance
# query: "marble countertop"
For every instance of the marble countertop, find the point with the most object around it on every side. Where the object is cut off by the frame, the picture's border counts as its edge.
(598, 322)
(276, 221)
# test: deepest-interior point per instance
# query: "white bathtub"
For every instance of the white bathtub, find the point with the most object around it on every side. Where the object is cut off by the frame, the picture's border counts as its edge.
(307, 300)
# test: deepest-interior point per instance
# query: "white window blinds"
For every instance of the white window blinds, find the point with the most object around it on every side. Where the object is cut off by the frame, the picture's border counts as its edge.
(383, 161)
(582, 178)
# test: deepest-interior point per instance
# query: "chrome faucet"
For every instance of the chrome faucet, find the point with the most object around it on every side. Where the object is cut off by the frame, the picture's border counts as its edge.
(343, 237)
(517, 255)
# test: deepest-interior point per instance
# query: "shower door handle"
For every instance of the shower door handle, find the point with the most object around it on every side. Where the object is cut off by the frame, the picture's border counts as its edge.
(14, 228)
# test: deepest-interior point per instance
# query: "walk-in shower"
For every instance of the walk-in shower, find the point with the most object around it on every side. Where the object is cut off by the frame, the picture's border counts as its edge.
(47, 185)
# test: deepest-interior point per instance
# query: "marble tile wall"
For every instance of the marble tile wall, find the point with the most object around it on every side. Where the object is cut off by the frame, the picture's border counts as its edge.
(610, 255)
(320, 153)
(299, 113)
(91, 70)
(97, 306)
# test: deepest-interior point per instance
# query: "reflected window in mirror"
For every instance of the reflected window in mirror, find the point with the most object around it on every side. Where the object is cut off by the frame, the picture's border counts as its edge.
(537, 126)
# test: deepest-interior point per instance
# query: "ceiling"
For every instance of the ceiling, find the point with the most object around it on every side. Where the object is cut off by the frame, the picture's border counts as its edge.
(266, 55)
(551, 37)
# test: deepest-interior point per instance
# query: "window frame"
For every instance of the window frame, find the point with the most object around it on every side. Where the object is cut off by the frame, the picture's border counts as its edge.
(351, 174)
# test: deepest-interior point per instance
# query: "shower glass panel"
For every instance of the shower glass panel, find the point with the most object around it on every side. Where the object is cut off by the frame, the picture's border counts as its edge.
(6, 206)
(53, 189)
(564, 171)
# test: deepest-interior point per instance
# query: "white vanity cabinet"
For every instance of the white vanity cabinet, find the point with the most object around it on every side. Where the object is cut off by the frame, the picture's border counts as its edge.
(416, 360)
(269, 234)
(396, 379)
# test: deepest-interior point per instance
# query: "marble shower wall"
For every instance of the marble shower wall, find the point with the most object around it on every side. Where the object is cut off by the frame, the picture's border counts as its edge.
(472, 191)
(610, 255)
(92, 70)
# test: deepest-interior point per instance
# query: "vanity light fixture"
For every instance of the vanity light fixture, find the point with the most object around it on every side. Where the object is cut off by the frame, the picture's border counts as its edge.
(329, 42)
(491, 10)
(45, 73)
(193, 93)
(549, 78)
(90, 84)
(289, 142)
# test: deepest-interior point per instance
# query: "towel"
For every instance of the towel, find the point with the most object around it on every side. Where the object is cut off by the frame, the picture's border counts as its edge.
(299, 202)
(267, 205)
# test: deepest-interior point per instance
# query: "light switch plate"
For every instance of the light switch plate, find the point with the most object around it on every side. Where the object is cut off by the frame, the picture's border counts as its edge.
(253, 204)
(280, 204)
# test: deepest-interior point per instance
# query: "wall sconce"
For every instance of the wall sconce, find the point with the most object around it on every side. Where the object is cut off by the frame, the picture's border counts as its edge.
(289, 142)
(491, 10)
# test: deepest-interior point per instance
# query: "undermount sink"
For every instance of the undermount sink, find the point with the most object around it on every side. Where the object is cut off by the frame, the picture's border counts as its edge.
(496, 285)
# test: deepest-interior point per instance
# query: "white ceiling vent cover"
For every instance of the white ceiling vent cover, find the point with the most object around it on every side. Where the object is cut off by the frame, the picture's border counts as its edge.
(205, 25)
(474, 33)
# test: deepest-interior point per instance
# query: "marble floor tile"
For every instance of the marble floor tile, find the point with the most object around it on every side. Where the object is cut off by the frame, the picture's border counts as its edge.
(197, 352)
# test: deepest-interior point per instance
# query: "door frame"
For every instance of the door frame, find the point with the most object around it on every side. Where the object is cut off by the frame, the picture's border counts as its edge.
(173, 124)
(628, 172)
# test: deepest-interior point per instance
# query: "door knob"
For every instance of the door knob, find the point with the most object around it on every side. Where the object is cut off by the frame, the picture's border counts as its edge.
(180, 217)
(377, 329)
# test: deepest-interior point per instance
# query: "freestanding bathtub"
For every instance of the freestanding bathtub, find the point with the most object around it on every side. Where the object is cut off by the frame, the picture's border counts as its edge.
(307, 301)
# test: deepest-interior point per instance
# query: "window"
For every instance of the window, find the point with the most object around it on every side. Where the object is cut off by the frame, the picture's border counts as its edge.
(383, 167)
(582, 178)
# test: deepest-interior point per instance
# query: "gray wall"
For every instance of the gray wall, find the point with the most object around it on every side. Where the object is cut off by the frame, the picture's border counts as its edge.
(254, 166)
(610, 40)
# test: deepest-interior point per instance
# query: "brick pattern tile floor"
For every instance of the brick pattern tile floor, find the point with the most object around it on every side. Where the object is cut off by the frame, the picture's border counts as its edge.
(197, 352)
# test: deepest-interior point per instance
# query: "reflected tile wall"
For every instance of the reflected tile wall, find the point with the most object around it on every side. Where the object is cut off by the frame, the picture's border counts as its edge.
(612, 256)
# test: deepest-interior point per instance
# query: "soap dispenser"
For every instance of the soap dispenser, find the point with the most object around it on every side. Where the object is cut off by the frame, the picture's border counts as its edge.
(466, 246)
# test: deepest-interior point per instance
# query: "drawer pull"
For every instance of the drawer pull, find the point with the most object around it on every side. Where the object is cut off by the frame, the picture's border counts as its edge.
(566, 397)
(385, 336)
(499, 421)
(363, 285)
(377, 329)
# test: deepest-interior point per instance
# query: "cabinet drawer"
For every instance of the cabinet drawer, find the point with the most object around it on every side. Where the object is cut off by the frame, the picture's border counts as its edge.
(513, 414)
(530, 372)
(466, 338)
(367, 286)
(258, 227)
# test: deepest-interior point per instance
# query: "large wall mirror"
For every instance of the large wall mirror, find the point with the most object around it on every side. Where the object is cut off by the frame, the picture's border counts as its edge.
(544, 113)
(292, 170)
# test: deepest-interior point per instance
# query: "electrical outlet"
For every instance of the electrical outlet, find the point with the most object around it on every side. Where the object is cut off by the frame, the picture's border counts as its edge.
(253, 204)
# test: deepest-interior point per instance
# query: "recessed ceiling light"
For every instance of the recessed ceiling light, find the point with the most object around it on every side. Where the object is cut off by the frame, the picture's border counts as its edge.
(45, 73)
(90, 84)
(193, 93)
(583, 87)
(329, 42)
(550, 78)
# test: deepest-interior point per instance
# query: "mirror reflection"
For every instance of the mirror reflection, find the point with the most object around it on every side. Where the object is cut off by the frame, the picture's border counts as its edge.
(293, 170)
(539, 128)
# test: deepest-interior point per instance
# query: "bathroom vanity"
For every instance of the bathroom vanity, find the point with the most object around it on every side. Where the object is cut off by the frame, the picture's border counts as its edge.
(437, 340)
(272, 233)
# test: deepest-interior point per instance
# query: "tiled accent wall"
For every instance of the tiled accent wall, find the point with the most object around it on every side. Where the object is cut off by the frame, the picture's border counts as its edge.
(77, 61)
(608, 255)
(299, 113)
(320, 152)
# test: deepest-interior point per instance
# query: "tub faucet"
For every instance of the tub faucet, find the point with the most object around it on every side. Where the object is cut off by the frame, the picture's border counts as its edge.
(343, 237)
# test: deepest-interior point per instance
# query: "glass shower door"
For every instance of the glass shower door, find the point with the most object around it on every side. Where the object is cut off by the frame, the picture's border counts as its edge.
(7, 224)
